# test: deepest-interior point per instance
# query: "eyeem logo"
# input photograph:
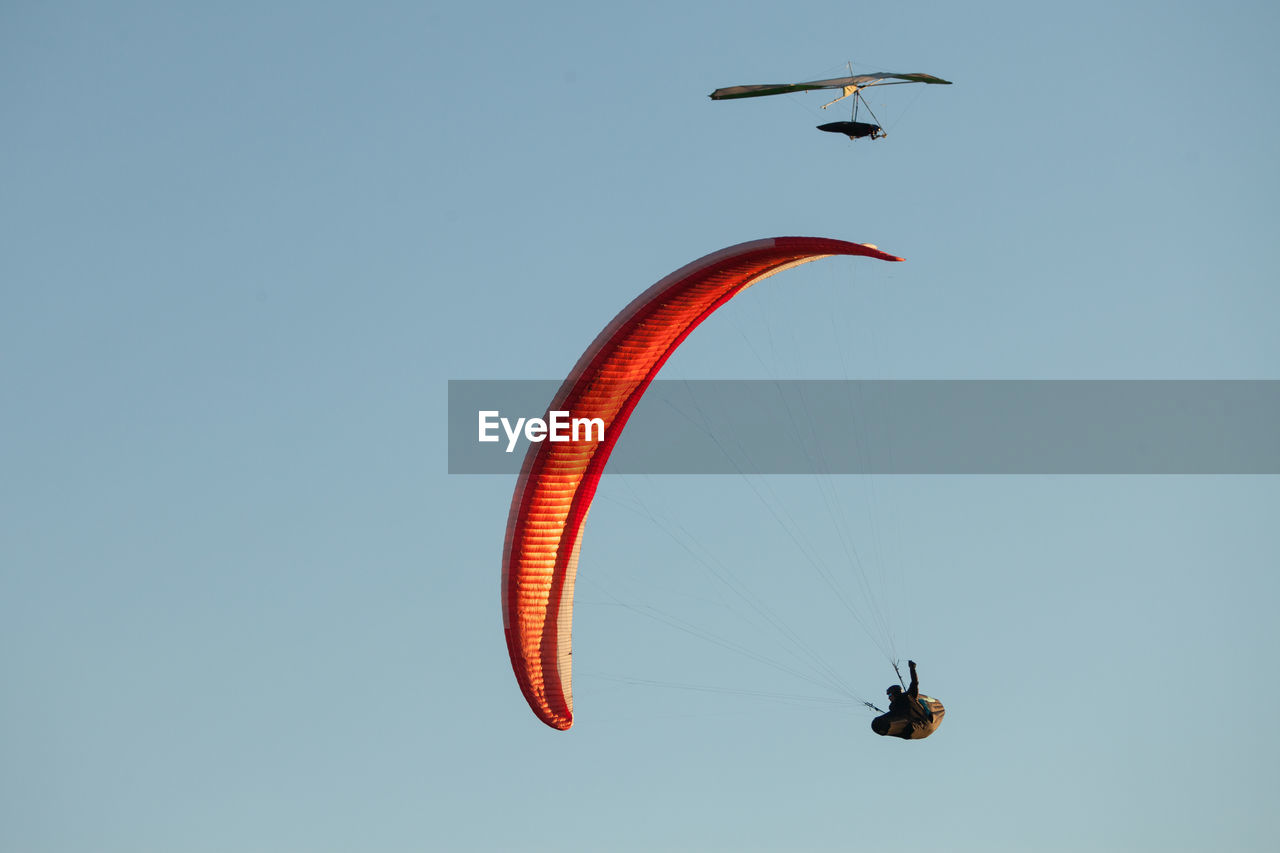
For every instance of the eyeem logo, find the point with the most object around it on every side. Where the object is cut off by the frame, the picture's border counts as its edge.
(559, 426)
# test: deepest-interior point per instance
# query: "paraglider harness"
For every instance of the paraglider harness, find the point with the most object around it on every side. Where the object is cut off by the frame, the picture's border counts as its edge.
(911, 714)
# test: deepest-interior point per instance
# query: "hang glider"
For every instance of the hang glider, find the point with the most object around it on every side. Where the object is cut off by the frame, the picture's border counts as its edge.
(851, 85)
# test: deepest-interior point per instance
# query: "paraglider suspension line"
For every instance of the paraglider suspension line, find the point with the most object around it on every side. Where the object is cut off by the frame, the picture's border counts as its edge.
(895, 663)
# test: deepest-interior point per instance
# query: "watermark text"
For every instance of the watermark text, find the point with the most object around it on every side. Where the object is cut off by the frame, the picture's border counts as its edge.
(557, 426)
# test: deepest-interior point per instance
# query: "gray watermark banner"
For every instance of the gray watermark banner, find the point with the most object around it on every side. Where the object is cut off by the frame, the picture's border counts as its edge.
(899, 427)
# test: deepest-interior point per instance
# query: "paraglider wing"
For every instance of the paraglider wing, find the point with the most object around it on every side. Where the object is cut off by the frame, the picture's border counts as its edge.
(853, 83)
(558, 479)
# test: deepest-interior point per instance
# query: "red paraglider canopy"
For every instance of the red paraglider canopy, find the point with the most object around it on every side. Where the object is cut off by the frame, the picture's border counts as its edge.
(558, 480)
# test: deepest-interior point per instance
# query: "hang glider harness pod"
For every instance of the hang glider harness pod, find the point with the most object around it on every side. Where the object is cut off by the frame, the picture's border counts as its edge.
(851, 85)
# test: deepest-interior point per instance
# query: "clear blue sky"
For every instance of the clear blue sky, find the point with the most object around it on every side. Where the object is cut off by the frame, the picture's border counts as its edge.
(243, 607)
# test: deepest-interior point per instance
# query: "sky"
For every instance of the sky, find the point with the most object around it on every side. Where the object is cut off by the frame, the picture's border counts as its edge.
(243, 605)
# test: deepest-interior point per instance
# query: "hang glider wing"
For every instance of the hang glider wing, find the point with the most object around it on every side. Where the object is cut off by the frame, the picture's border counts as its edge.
(851, 84)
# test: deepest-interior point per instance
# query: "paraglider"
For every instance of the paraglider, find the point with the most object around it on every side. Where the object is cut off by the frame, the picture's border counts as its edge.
(911, 715)
(852, 86)
(558, 480)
